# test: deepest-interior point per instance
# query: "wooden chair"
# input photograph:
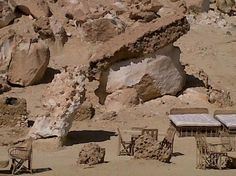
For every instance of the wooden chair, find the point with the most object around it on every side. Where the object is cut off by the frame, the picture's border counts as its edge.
(126, 145)
(207, 155)
(165, 148)
(151, 132)
(19, 157)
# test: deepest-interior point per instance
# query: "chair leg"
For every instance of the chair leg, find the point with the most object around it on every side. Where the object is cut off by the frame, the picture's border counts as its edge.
(118, 149)
(13, 167)
(30, 166)
(18, 166)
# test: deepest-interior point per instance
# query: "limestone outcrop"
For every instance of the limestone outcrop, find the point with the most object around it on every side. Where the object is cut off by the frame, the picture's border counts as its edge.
(63, 98)
(145, 39)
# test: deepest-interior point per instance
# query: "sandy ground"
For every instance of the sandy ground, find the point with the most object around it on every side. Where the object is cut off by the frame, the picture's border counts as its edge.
(206, 47)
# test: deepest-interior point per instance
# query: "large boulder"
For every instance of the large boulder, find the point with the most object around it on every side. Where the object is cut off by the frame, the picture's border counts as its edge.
(62, 99)
(7, 14)
(151, 76)
(29, 61)
(143, 39)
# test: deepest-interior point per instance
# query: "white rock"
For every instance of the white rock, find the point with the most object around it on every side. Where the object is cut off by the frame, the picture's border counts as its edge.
(160, 74)
(59, 117)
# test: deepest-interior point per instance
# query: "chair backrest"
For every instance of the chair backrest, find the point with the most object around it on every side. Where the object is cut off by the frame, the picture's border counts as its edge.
(170, 134)
(226, 141)
(202, 144)
(151, 132)
(119, 135)
(28, 146)
(189, 111)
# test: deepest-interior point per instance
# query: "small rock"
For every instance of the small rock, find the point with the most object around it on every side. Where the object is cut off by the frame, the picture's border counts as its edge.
(91, 154)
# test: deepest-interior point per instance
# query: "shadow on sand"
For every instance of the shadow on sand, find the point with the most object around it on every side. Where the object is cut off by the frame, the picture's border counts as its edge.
(35, 171)
(86, 136)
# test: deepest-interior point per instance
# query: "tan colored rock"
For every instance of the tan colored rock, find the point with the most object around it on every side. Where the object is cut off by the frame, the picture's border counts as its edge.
(220, 97)
(12, 110)
(86, 111)
(4, 87)
(225, 5)
(28, 63)
(91, 154)
(198, 6)
(38, 8)
(50, 28)
(144, 11)
(6, 47)
(42, 27)
(144, 39)
(101, 29)
(7, 14)
(121, 99)
(62, 99)
(58, 31)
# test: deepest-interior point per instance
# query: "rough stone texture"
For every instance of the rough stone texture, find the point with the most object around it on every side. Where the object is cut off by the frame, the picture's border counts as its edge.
(50, 28)
(91, 154)
(146, 148)
(121, 99)
(37, 9)
(198, 6)
(6, 47)
(86, 111)
(58, 31)
(144, 11)
(62, 100)
(102, 29)
(152, 76)
(220, 97)
(212, 18)
(146, 38)
(4, 87)
(42, 27)
(225, 5)
(12, 110)
(7, 14)
(28, 63)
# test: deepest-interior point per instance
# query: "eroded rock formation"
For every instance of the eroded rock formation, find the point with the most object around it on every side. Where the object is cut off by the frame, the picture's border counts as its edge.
(62, 99)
